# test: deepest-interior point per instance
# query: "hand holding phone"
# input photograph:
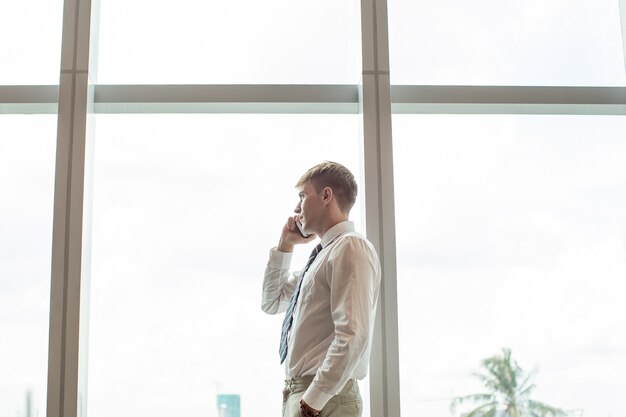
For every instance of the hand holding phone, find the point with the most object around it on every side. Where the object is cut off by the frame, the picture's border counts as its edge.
(293, 234)
(299, 226)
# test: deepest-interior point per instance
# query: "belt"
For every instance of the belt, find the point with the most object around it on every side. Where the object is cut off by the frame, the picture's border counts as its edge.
(299, 383)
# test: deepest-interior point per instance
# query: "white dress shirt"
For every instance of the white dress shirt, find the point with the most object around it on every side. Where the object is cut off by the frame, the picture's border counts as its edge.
(334, 318)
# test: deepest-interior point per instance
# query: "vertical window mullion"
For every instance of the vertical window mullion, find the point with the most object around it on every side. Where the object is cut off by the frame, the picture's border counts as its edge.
(69, 299)
(379, 195)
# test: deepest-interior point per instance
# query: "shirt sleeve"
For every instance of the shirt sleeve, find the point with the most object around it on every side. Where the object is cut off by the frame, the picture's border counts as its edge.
(278, 284)
(353, 276)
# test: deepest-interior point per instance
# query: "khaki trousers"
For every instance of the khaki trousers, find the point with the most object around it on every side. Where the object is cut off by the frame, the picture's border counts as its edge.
(347, 403)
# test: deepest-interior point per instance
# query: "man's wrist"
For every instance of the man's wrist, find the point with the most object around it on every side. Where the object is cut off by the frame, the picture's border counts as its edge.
(284, 247)
(307, 411)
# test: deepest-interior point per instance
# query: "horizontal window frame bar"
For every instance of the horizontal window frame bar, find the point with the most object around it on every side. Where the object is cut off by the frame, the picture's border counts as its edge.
(29, 99)
(227, 99)
(320, 99)
(409, 99)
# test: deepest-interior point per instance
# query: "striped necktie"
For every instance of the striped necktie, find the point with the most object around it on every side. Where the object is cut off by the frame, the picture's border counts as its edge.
(292, 305)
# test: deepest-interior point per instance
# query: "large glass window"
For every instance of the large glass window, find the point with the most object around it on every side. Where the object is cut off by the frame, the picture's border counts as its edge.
(31, 41)
(506, 42)
(186, 209)
(511, 234)
(27, 154)
(230, 42)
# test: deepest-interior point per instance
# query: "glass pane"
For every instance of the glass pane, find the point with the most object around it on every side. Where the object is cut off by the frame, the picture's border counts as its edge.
(230, 42)
(186, 209)
(506, 42)
(31, 47)
(511, 234)
(27, 155)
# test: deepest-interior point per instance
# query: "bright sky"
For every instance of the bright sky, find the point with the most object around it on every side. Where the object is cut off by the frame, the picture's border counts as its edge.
(511, 229)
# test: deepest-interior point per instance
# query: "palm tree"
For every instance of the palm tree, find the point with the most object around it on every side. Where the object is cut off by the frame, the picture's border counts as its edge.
(509, 391)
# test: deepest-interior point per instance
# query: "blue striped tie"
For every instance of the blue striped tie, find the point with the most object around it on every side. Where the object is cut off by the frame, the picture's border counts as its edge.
(292, 306)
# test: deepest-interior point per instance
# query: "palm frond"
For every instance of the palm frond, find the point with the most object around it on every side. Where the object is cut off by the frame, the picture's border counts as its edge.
(529, 376)
(485, 410)
(473, 398)
(539, 409)
(527, 391)
(488, 381)
(504, 373)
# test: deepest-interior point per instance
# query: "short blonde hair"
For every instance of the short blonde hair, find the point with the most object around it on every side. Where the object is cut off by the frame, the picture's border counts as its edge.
(337, 177)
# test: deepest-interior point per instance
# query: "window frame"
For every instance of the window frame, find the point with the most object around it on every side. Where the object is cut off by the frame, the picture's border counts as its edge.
(78, 97)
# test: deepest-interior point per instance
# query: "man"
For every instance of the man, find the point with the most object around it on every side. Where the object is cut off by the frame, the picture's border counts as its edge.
(330, 305)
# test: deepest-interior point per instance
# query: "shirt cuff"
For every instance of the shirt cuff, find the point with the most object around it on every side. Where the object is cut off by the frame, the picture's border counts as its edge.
(315, 398)
(280, 260)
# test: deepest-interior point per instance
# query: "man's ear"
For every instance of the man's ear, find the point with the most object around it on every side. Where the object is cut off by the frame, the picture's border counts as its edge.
(327, 195)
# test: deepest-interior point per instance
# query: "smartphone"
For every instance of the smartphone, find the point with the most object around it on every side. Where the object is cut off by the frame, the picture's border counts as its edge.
(302, 231)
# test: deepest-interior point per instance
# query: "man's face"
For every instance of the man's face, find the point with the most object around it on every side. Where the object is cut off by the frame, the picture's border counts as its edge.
(309, 208)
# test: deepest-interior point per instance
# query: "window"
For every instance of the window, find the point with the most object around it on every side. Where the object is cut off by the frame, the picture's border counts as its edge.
(511, 234)
(506, 42)
(31, 47)
(186, 209)
(27, 149)
(522, 215)
(234, 42)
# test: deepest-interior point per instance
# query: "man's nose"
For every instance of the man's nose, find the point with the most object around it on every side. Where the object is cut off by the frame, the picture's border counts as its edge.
(297, 210)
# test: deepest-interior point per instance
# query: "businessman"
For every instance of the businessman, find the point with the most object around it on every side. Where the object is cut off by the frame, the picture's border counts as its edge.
(330, 304)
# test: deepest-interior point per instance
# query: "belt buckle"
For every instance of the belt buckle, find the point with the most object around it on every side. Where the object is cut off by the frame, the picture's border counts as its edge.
(289, 384)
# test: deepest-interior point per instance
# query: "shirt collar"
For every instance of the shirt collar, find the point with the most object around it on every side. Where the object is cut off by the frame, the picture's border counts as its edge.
(335, 231)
